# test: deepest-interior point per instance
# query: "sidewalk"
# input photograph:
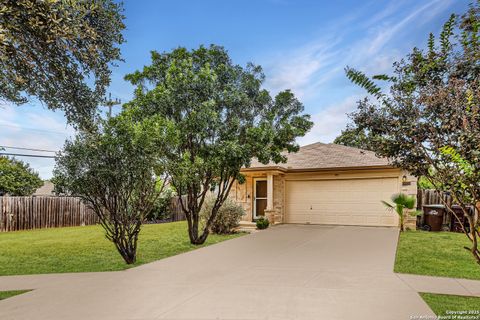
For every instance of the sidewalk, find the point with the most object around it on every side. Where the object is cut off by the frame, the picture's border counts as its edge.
(418, 283)
(442, 285)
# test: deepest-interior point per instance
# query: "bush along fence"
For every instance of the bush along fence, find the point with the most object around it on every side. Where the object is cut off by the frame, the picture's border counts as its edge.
(24, 213)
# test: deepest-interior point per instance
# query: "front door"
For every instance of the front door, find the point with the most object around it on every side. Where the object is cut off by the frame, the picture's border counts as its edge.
(260, 198)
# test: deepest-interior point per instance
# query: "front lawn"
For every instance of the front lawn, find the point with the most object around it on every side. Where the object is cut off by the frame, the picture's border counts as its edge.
(435, 254)
(441, 304)
(8, 294)
(84, 249)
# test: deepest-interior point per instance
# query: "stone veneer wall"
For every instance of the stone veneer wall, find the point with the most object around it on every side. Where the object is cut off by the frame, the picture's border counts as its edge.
(279, 198)
(242, 194)
(411, 189)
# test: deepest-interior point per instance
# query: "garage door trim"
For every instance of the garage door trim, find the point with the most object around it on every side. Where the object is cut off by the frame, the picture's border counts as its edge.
(322, 204)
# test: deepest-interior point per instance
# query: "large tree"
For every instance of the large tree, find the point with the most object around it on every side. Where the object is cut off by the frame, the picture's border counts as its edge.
(429, 123)
(355, 137)
(17, 178)
(117, 170)
(59, 52)
(222, 118)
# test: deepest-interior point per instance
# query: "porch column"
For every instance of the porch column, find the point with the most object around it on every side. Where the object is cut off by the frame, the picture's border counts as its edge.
(269, 191)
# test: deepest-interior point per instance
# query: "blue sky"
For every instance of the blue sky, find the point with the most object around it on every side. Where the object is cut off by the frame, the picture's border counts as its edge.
(302, 45)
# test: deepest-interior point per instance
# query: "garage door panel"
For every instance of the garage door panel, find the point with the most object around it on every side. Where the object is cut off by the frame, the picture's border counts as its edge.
(345, 202)
(297, 217)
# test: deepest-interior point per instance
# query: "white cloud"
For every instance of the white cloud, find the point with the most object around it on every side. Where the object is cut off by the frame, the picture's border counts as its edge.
(386, 32)
(329, 122)
(296, 69)
(308, 67)
(317, 67)
(7, 112)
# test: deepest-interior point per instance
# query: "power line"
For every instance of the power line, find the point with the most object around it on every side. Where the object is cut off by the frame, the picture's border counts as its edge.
(30, 149)
(32, 129)
(26, 155)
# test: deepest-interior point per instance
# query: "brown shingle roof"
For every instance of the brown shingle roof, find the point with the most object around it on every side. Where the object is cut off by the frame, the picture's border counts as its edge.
(326, 156)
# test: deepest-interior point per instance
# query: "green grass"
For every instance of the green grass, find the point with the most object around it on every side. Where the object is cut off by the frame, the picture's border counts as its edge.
(436, 254)
(83, 249)
(442, 303)
(8, 294)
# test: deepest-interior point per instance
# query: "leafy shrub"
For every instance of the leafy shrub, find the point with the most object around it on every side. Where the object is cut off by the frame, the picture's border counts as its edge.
(228, 216)
(160, 210)
(262, 223)
(17, 178)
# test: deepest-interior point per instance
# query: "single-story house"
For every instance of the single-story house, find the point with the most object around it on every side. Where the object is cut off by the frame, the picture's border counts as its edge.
(323, 184)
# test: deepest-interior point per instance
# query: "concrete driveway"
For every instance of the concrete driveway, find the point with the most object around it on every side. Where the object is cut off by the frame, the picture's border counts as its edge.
(285, 272)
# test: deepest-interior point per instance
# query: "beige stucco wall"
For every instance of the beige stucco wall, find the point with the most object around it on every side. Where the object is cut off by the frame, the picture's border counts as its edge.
(243, 193)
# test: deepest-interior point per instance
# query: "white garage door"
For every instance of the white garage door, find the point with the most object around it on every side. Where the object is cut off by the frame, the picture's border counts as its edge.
(344, 202)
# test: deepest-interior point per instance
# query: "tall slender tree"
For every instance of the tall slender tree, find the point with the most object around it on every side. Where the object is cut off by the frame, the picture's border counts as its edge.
(118, 171)
(429, 123)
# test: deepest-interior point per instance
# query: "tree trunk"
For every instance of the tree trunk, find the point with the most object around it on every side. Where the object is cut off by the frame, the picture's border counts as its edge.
(128, 252)
(474, 238)
(192, 233)
(401, 216)
(195, 238)
(126, 245)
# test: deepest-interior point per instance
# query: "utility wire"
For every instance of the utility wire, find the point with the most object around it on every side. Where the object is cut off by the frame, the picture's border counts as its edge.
(29, 149)
(26, 155)
(32, 129)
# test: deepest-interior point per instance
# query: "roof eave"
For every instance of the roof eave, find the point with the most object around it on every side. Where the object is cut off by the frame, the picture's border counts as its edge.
(287, 170)
(269, 168)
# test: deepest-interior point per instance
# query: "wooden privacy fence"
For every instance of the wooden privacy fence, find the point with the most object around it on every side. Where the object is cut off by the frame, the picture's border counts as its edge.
(24, 213)
(426, 197)
(176, 212)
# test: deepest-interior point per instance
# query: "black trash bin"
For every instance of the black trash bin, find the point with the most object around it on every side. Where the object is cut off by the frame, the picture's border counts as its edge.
(433, 217)
(455, 225)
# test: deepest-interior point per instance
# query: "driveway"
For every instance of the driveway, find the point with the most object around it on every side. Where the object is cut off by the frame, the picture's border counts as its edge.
(285, 272)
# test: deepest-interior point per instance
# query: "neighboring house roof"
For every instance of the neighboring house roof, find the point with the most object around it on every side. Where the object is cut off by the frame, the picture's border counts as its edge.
(325, 156)
(45, 190)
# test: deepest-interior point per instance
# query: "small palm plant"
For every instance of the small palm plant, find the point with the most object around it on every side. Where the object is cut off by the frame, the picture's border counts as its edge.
(401, 202)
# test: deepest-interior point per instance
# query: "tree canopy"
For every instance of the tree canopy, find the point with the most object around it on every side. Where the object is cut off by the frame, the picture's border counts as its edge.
(17, 178)
(221, 118)
(429, 123)
(352, 136)
(59, 52)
